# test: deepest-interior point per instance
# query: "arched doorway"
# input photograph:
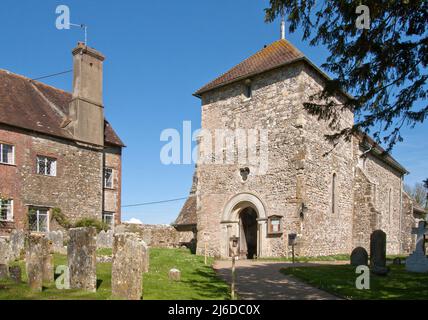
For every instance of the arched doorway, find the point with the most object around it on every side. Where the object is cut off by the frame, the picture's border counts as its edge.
(248, 233)
(244, 216)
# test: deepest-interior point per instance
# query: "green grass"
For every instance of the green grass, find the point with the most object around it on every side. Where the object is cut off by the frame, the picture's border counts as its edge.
(336, 257)
(340, 280)
(197, 280)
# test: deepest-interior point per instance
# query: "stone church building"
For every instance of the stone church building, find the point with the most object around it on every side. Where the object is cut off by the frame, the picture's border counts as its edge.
(329, 201)
(57, 151)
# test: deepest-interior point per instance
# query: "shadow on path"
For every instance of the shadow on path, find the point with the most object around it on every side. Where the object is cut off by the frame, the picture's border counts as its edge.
(263, 281)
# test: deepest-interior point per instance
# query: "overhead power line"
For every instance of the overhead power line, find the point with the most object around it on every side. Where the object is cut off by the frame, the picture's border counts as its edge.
(154, 202)
(53, 75)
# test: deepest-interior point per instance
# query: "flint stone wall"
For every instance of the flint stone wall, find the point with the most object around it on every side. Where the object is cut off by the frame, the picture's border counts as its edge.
(157, 236)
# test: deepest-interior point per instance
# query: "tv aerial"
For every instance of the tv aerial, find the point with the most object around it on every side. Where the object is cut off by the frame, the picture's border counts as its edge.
(84, 27)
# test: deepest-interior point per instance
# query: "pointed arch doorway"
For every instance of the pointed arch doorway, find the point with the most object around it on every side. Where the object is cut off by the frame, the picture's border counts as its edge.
(244, 216)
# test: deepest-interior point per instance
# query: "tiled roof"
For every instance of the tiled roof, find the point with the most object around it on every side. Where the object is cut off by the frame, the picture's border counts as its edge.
(272, 56)
(35, 106)
(187, 214)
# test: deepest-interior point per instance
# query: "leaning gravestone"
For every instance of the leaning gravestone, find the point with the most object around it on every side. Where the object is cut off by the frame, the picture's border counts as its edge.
(127, 268)
(418, 261)
(378, 253)
(82, 260)
(17, 244)
(105, 239)
(359, 257)
(34, 261)
(146, 257)
(4, 274)
(48, 263)
(5, 254)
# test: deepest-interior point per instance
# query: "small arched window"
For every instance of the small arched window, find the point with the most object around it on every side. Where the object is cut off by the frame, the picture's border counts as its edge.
(248, 89)
(333, 193)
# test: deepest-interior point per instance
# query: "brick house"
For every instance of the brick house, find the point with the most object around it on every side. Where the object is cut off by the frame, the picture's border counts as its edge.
(330, 199)
(57, 151)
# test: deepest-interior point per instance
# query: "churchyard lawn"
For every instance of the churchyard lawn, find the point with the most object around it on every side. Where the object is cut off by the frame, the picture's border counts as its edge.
(198, 282)
(340, 281)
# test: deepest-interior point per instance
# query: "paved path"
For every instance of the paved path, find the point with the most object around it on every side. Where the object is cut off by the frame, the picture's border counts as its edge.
(263, 281)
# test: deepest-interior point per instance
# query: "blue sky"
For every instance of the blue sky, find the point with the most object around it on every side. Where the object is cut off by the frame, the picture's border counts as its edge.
(158, 54)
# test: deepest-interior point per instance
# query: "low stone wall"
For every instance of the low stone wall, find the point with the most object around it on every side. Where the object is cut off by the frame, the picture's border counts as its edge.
(158, 236)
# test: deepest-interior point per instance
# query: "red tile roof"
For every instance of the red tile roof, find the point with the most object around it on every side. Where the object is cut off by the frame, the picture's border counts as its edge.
(35, 106)
(272, 56)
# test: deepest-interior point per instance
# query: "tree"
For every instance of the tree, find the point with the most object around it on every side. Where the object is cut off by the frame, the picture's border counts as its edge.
(419, 193)
(383, 67)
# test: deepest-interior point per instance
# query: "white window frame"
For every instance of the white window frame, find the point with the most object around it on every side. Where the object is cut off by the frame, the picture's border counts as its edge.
(111, 178)
(12, 160)
(9, 214)
(46, 160)
(38, 214)
(111, 215)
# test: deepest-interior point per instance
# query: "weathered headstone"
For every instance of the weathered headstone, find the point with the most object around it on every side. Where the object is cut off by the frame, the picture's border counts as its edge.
(57, 238)
(15, 274)
(127, 268)
(5, 255)
(174, 274)
(81, 252)
(48, 263)
(4, 274)
(378, 253)
(396, 261)
(105, 239)
(359, 257)
(146, 257)
(17, 244)
(418, 261)
(34, 261)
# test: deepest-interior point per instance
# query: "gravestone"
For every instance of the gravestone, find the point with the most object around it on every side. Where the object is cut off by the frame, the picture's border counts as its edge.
(5, 254)
(418, 261)
(378, 253)
(359, 257)
(146, 257)
(127, 268)
(48, 263)
(57, 238)
(15, 274)
(34, 261)
(105, 239)
(81, 253)
(4, 274)
(174, 274)
(396, 261)
(17, 244)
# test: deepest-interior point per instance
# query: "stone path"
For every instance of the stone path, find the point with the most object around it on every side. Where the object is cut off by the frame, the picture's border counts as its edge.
(257, 280)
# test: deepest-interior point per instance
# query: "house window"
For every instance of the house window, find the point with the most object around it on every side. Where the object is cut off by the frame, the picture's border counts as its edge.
(108, 178)
(108, 219)
(333, 193)
(7, 154)
(6, 210)
(46, 166)
(38, 219)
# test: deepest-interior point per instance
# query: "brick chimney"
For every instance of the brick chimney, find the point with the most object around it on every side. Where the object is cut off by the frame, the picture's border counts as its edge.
(86, 107)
